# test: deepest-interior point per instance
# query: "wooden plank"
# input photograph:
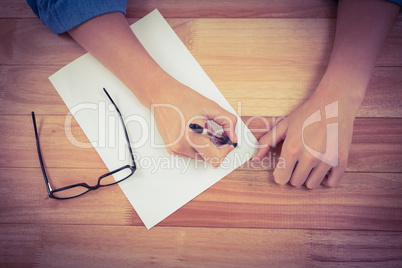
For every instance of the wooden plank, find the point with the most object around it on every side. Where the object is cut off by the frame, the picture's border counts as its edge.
(19, 149)
(277, 90)
(20, 244)
(15, 9)
(27, 37)
(244, 42)
(243, 199)
(356, 249)
(27, 88)
(233, 9)
(106, 246)
(245, 220)
(274, 42)
(204, 9)
(376, 147)
(25, 200)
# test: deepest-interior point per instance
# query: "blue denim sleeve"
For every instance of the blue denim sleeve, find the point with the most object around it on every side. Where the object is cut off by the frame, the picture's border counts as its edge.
(62, 15)
(398, 2)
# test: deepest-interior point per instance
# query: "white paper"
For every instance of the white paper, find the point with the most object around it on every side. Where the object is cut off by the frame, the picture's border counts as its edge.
(162, 183)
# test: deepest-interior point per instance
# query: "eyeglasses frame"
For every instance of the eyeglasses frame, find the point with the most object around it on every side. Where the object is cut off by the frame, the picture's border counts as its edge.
(51, 191)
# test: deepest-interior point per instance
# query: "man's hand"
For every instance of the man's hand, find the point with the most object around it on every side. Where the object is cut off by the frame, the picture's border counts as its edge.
(317, 138)
(174, 112)
(309, 147)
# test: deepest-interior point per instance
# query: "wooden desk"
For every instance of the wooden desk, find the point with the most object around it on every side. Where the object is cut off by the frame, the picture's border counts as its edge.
(266, 57)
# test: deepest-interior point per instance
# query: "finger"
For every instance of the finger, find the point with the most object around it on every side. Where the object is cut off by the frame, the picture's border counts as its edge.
(279, 119)
(335, 176)
(283, 173)
(208, 126)
(205, 147)
(317, 175)
(215, 141)
(226, 120)
(208, 151)
(302, 171)
(271, 139)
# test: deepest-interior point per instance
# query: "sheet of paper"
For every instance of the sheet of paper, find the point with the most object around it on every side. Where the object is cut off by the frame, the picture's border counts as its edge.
(162, 183)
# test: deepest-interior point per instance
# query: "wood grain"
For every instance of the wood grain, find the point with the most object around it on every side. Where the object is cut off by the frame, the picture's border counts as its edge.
(233, 9)
(376, 145)
(243, 199)
(355, 249)
(266, 57)
(244, 42)
(276, 90)
(70, 245)
(203, 9)
(77, 246)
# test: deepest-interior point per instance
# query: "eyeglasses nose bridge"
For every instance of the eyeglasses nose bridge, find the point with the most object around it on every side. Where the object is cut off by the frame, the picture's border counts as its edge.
(94, 187)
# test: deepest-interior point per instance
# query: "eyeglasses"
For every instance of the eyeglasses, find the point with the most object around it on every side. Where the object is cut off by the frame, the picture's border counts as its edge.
(79, 189)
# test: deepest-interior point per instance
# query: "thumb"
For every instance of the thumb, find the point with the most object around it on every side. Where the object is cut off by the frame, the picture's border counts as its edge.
(226, 120)
(271, 139)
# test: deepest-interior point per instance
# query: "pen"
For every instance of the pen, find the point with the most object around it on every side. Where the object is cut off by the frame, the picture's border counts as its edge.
(220, 138)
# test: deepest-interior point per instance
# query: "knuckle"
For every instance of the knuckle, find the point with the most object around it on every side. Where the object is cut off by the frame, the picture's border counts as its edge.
(264, 141)
(291, 150)
(310, 160)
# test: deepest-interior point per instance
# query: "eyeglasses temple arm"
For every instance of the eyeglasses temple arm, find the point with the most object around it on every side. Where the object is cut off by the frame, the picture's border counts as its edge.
(124, 127)
(40, 156)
